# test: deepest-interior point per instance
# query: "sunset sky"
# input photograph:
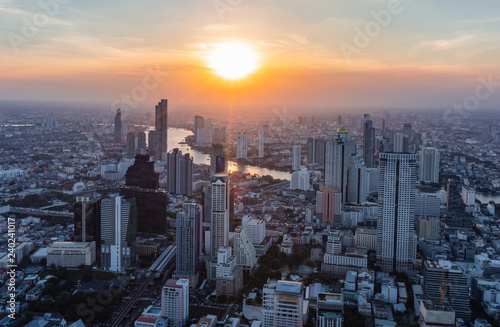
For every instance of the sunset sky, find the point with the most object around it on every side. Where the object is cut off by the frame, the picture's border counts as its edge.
(429, 55)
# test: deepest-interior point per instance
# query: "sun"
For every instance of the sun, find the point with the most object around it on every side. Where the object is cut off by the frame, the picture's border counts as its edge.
(233, 61)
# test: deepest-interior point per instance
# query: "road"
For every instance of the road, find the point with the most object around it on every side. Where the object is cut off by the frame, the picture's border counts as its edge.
(130, 303)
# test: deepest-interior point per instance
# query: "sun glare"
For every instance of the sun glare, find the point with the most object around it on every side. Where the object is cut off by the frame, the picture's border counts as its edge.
(233, 61)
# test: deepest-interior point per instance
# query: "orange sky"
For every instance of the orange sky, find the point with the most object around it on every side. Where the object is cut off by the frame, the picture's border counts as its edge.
(424, 54)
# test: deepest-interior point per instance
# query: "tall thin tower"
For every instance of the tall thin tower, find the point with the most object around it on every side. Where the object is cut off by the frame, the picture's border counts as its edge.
(161, 129)
(189, 254)
(261, 144)
(220, 213)
(369, 142)
(118, 125)
(396, 211)
(337, 156)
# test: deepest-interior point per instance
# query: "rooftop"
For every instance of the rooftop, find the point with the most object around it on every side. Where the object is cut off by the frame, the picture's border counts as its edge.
(79, 245)
(289, 287)
(437, 306)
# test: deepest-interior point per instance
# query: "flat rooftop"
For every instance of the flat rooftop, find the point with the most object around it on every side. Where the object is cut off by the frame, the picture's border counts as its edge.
(437, 306)
(289, 287)
(73, 245)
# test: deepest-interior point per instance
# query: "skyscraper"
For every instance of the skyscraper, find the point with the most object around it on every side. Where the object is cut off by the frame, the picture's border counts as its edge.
(357, 180)
(130, 142)
(316, 150)
(161, 129)
(241, 146)
(429, 165)
(332, 205)
(337, 156)
(282, 304)
(244, 250)
(401, 143)
(396, 211)
(175, 302)
(141, 142)
(180, 173)
(369, 142)
(152, 143)
(220, 213)
(218, 161)
(261, 144)
(189, 245)
(142, 184)
(118, 125)
(199, 123)
(407, 130)
(455, 288)
(87, 220)
(118, 233)
(296, 157)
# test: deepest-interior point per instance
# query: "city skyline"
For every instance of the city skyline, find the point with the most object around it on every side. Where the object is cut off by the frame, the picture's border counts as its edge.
(250, 163)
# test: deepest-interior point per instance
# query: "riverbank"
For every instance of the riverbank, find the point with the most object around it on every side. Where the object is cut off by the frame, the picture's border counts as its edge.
(253, 161)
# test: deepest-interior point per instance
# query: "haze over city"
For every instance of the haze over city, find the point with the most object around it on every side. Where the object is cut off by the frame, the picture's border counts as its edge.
(250, 163)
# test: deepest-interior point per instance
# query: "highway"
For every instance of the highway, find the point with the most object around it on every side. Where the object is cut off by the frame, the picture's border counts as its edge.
(41, 213)
(129, 304)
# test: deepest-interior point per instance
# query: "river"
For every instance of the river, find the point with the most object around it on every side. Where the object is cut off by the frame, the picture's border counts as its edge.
(176, 137)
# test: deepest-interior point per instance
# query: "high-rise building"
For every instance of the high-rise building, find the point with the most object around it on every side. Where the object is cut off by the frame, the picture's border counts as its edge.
(218, 161)
(229, 276)
(261, 144)
(401, 143)
(152, 143)
(87, 220)
(369, 142)
(219, 134)
(300, 180)
(142, 184)
(130, 142)
(316, 150)
(357, 180)
(199, 123)
(244, 250)
(241, 146)
(282, 304)
(161, 129)
(407, 131)
(118, 125)
(429, 165)
(220, 213)
(189, 244)
(180, 173)
(319, 205)
(256, 229)
(428, 228)
(332, 205)
(396, 211)
(446, 279)
(296, 157)
(175, 302)
(468, 195)
(427, 205)
(337, 156)
(118, 233)
(141, 142)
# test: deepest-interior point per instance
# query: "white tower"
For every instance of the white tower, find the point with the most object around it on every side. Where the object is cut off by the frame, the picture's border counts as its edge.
(396, 211)
(296, 157)
(241, 146)
(261, 144)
